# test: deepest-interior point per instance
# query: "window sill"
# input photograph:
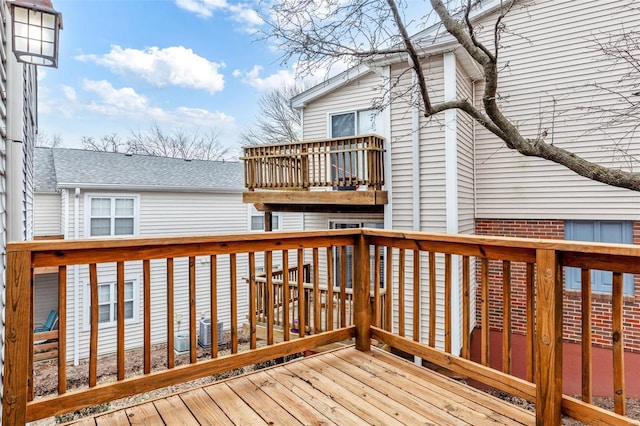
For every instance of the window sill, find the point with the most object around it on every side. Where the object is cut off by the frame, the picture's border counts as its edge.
(598, 297)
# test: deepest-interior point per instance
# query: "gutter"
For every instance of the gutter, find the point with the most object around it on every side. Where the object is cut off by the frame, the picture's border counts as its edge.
(147, 188)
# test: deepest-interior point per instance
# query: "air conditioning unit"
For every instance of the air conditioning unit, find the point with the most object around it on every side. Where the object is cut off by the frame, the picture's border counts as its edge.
(204, 333)
(181, 342)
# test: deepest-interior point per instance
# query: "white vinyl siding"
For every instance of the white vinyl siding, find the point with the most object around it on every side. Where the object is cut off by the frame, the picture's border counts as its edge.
(546, 85)
(47, 214)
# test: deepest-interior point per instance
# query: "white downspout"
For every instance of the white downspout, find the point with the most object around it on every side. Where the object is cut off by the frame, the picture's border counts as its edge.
(386, 119)
(451, 191)
(76, 282)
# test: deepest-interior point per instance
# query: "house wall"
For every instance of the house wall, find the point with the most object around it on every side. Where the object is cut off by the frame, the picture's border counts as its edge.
(166, 214)
(601, 303)
(547, 72)
(46, 212)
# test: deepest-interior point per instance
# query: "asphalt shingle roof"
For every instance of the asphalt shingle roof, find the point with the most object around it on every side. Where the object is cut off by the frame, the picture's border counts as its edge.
(65, 167)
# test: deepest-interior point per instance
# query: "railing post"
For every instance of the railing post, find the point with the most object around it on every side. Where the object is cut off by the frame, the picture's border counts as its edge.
(548, 377)
(362, 306)
(18, 337)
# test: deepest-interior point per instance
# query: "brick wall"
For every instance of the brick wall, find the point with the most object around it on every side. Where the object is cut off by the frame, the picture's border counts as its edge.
(601, 303)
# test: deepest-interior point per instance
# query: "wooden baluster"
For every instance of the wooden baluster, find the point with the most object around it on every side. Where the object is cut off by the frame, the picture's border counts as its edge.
(549, 338)
(484, 309)
(617, 337)
(120, 320)
(432, 299)
(268, 260)
(389, 290)
(301, 295)
(586, 335)
(213, 304)
(530, 312)
(376, 286)
(170, 315)
(234, 302)
(343, 292)
(286, 300)
(447, 303)
(466, 307)
(93, 323)
(362, 306)
(193, 348)
(330, 288)
(62, 329)
(416, 295)
(401, 295)
(506, 316)
(146, 278)
(317, 307)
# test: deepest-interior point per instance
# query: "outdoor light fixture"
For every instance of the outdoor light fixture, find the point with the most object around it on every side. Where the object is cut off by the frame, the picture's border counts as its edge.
(35, 25)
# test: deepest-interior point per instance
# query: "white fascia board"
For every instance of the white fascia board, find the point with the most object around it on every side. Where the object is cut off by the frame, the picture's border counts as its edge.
(300, 100)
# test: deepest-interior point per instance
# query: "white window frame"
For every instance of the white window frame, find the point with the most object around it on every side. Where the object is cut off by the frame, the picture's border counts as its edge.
(253, 212)
(112, 282)
(356, 113)
(113, 197)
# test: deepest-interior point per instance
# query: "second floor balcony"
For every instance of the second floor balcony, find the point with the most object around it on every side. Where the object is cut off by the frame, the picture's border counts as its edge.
(339, 174)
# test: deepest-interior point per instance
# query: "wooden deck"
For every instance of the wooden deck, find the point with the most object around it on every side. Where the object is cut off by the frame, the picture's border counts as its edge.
(344, 386)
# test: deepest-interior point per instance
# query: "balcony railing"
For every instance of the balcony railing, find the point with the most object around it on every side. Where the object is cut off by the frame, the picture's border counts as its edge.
(343, 163)
(421, 273)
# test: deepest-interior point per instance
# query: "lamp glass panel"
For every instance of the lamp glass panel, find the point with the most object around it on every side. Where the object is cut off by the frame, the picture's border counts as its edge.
(48, 35)
(48, 20)
(47, 49)
(20, 29)
(35, 32)
(20, 14)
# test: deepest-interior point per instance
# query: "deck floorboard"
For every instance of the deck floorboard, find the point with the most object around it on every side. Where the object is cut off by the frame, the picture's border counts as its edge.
(343, 386)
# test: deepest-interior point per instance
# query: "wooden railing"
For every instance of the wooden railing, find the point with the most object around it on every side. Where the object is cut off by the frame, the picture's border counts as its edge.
(428, 311)
(344, 163)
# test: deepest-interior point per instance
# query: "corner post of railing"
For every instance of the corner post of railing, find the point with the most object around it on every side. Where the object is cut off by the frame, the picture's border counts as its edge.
(362, 306)
(548, 376)
(304, 166)
(18, 337)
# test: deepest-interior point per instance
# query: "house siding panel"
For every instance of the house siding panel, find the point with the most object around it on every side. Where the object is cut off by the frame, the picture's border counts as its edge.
(47, 214)
(548, 81)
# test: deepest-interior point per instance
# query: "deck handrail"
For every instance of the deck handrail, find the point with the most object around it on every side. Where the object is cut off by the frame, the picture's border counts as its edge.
(406, 255)
(345, 162)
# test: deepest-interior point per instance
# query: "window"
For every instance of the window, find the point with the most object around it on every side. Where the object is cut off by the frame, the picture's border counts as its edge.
(108, 305)
(345, 164)
(111, 215)
(256, 220)
(349, 255)
(603, 232)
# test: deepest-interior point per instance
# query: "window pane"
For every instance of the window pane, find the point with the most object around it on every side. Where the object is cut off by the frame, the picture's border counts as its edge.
(275, 220)
(100, 227)
(104, 293)
(128, 291)
(104, 313)
(343, 125)
(257, 223)
(124, 226)
(124, 207)
(100, 207)
(128, 310)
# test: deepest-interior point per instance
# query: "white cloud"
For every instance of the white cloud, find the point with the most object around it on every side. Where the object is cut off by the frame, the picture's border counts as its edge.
(242, 13)
(202, 8)
(69, 93)
(274, 81)
(177, 66)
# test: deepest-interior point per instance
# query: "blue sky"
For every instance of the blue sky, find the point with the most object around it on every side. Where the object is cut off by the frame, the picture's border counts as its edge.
(125, 64)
